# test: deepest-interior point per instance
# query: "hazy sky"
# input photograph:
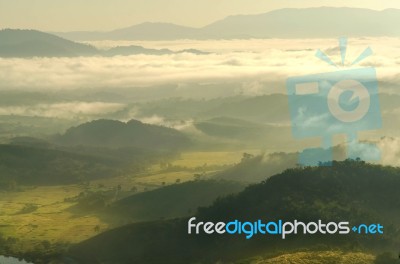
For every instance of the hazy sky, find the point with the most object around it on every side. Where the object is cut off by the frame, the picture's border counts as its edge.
(67, 15)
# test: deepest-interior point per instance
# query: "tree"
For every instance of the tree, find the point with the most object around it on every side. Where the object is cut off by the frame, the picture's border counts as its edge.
(247, 156)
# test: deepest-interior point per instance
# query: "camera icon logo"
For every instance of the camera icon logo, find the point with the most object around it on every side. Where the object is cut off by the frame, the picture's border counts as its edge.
(339, 102)
(358, 90)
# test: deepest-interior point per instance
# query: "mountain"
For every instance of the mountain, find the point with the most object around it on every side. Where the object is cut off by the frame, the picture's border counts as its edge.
(17, 43)
(148, 31)
(321, 22)
(29, 161)
(351, 191)
(117, 134)
(172, 201)
(133, 49)
(26, 165)
(258, 168)
(153, 31)
(32, 43)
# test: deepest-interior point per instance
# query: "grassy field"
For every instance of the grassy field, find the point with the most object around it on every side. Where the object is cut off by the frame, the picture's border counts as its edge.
(196, 159)
(186, 166)
(318, 257)
(41, 213)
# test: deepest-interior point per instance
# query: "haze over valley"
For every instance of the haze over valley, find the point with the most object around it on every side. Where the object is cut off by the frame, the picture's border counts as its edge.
(111, 140)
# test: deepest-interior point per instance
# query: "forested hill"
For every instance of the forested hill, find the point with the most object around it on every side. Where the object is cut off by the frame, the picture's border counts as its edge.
(351, 191)
(33, 43)
(115, 134)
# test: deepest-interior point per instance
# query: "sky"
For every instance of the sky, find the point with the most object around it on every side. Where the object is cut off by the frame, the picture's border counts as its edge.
(103, 15)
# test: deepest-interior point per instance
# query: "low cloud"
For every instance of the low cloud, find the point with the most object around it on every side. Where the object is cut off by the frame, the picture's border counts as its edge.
(252, 61)
(63, 110)
(390, 149)
(161, 121)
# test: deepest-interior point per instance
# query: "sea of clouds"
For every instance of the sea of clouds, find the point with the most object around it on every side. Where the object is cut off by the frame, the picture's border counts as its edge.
(250, 62)
(247, 67)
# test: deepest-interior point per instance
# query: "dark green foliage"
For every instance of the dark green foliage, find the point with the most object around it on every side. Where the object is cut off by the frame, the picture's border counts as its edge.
(28, 165)
(348, 191)
(115, 134)
(25, 165)
(42, 252)
(101, 148)
(176, 200)
(255, 169)
(30, 141)
(386, 258)
(351, 190)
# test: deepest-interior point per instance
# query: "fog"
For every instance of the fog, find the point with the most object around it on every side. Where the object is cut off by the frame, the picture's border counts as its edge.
(256, 64)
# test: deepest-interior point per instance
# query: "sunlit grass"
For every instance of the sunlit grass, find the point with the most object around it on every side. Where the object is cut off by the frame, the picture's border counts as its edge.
(50, 218)
(318, 257)
(50, 221)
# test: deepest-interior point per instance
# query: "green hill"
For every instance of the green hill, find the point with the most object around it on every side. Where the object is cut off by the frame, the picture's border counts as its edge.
(35, 163)
(348, 191)
(116, 134)
(172, 201)
(257, 169)
(102, 148)
(32, 43)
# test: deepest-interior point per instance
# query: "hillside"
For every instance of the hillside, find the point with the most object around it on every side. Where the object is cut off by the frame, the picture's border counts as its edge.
(350, 190)
(32, 43)
(239, 129)
(132, 50)
(35, 163)
(321, 257)
(116, 134)
(148, 31)
(172, 201)
(321, 22)
(257, 169)
(16, 43)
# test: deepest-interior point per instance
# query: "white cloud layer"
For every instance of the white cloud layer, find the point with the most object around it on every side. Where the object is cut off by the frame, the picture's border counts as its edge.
(63, 110)
(251, 60)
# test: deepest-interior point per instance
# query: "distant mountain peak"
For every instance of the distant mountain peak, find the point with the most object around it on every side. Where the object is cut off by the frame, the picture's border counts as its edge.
(23, 43)
(314, 22)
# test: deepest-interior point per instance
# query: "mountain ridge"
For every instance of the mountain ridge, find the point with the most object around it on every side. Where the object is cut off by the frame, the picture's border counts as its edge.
(26, 43)
(287, 23)
(351, 190)
(114, 133)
